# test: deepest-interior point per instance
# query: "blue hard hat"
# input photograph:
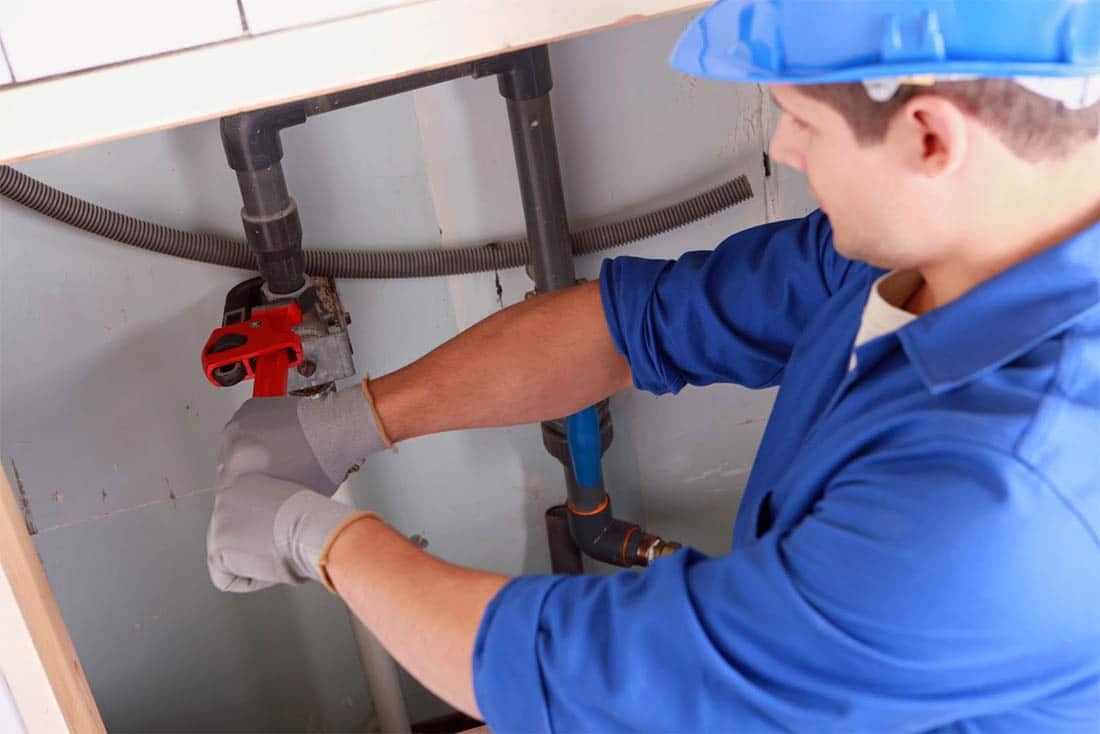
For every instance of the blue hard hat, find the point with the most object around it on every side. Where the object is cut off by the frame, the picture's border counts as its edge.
(820, 41)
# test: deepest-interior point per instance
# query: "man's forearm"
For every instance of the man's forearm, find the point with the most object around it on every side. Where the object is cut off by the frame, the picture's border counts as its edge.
(544, 358)
(423, 610)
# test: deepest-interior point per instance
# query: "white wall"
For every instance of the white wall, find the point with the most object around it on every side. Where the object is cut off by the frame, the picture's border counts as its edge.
(112, 430)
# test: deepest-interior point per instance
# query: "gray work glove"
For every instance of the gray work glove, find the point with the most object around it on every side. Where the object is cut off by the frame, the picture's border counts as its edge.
(313, 441)
(267, 531)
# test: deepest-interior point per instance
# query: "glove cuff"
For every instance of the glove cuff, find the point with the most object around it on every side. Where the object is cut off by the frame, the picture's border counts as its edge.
(374, 412)
(306, 525)
(341, 430)
(322, 561)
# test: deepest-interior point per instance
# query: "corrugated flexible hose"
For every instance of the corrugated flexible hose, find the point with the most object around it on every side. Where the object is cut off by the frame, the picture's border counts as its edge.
(209, 248)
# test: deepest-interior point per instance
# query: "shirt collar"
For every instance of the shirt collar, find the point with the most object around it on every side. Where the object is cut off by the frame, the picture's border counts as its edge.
(1006, 316)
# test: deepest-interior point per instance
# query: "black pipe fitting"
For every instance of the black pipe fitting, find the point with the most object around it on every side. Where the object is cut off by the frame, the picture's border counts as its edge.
(270, 215)
(597, 531)
(251, 139)
(607, 539)
(521, 74)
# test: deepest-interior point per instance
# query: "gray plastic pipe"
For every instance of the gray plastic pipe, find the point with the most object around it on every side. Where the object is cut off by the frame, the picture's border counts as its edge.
(378, 665)
(384, 681)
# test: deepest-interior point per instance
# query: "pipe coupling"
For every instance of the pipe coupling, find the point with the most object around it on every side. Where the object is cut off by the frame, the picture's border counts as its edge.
(652, 547)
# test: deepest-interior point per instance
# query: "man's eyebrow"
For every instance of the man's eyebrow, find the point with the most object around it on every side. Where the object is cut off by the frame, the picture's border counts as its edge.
(793, 115)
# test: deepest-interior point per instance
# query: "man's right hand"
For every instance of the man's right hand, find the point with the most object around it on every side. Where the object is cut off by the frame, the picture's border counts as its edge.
(315, 441)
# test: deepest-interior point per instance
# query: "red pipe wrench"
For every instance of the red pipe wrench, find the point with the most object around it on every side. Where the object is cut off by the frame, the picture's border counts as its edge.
(260, 348)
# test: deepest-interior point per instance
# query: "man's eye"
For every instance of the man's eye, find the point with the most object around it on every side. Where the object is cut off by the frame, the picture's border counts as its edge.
(800, 124)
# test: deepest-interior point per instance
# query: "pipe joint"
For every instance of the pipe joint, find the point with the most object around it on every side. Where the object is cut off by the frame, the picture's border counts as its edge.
(521, 74)
(617, 542)
(270, 216)
(273, 233)
(652, 547)
(555, 437)
(251, 139)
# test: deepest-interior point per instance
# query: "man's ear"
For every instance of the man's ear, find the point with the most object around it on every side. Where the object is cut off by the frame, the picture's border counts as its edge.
(933, 133)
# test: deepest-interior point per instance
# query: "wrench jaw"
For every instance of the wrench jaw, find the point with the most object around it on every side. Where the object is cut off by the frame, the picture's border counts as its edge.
(297, 342)
(261, 348)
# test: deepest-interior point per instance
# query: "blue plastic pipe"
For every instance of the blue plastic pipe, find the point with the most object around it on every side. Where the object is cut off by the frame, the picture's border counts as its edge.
(583, 433)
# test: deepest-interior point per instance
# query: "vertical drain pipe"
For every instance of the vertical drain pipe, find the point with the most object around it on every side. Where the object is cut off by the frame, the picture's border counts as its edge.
(525, 81)
(379, 667)
(525, 84)
(580, 440)
(565, 556)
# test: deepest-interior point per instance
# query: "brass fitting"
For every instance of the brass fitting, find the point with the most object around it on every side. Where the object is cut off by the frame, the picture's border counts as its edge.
(652, 547)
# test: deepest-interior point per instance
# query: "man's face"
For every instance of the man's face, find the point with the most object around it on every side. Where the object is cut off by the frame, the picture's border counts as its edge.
(860, 187)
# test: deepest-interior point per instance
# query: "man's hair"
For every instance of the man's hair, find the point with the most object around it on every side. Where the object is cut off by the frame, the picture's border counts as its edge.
(1032, 126)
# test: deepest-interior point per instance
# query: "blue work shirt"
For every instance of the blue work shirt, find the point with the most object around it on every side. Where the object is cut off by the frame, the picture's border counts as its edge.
(918, 546)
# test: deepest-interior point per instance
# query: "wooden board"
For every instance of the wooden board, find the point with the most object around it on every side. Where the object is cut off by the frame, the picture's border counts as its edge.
(41, 117)
(39, 660)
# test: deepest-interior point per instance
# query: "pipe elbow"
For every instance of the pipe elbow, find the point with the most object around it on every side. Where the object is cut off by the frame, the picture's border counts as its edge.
(251, 139)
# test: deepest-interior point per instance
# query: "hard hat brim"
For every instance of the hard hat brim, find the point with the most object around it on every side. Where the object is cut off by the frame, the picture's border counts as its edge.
(772, 41)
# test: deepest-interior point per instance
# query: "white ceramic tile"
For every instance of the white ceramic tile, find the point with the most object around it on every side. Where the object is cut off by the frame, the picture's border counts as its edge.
(5, 72)
(270, 15)
(46, 37)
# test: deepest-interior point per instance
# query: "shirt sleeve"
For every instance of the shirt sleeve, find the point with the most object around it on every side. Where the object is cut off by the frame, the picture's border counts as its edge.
(728, 315)
(911, 596)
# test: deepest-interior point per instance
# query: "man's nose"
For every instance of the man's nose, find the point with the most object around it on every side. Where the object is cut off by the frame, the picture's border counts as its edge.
(784, 147)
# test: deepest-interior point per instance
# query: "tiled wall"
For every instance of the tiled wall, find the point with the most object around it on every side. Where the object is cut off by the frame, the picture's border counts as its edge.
(42, 38)
(270, 15)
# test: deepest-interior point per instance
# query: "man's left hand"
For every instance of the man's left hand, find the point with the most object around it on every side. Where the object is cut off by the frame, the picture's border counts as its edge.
(267, 531)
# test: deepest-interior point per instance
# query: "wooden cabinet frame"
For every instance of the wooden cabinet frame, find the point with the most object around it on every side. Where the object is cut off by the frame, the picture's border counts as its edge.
(37, 657)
